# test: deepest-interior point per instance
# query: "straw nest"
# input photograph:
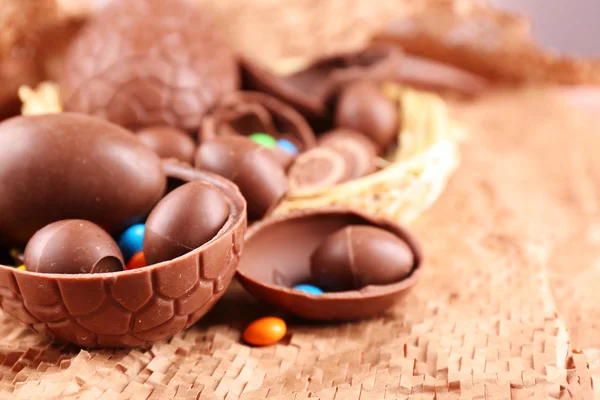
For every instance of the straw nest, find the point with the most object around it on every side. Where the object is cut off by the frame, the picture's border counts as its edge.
(412, 175)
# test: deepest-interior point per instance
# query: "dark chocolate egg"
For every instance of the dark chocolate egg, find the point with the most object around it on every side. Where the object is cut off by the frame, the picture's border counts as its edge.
(168, 142)
(184, 220)
(251, 166)
(72, 246)
(357, 256)
(362, 107)
(62, 166)
(148, 62)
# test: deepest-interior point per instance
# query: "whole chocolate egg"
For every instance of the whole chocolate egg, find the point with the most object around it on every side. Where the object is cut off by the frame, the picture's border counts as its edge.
(62, 166)
(251, 166)
(168, 142)
(148, 62)
(184, 220)
(357, 256)
(72, 246)
(361, 106)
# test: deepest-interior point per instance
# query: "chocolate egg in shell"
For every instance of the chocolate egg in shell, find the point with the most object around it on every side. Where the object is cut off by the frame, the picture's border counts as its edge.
(184, 220)
(147, 62)
(67, 165)
(72, 246)
(137, 307)
(251, 166)
(277, 257)
(357, 256)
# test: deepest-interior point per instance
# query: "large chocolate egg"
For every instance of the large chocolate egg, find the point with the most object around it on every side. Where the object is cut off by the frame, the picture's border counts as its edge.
(184, 220)
(148, 62)
(72, 246)
(168, 142)
(62, 166)
(251, 166)
(357, 256)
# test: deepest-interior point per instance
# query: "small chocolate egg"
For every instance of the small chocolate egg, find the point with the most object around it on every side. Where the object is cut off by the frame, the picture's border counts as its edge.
(251, 166)
(265, 331)
(184, 220)
(362, 107)
(72, 246)
(357, 256)
(169, 142)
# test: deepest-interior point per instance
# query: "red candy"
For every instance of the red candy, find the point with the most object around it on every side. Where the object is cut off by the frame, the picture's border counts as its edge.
(136, 261)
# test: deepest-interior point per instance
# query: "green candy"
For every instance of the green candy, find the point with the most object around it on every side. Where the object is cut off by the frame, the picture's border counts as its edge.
(264, 139)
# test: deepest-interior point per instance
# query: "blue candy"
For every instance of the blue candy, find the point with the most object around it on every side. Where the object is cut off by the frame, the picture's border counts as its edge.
(310, 289)
(287, 146)
(132, 240)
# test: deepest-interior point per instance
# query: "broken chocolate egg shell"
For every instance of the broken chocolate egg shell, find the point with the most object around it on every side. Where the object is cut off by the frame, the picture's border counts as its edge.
(245, 113)
(277, 253)
(137, 307)
(310, 90)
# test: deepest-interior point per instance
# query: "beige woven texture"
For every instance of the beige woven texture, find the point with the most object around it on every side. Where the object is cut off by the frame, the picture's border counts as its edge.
(481, 324)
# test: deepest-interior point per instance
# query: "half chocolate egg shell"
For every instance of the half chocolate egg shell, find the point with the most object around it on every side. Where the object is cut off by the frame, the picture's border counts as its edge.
(277, 254)
(136, 307)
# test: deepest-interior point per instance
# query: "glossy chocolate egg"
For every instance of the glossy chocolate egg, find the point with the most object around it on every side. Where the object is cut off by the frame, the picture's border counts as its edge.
(168, 142)
(72, 246)
(251, 166)
(62, 166)
(362, 107)
(357, 256)
(184, 220)
(148, 62)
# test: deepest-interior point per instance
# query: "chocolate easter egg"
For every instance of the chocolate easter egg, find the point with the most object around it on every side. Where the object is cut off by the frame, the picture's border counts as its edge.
(357, 256)
(72, 246)
(148, 62)
(251, 166)
(184, 220)
(62, 166)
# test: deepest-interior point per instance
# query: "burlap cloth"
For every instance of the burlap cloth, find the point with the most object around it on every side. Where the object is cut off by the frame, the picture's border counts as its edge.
(508, 290)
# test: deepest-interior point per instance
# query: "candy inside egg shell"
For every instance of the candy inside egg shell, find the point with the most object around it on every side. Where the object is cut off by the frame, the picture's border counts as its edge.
(277, 257)
(134, 307)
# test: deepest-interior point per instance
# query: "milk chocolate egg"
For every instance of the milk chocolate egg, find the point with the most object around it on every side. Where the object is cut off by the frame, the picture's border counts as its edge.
(72, 246)
(357, 149)
(148, 62)
(318, 169)
(168, 142)
(357, 256)
(251, 166)
(184, 220)
(362, 107)
(62, 166)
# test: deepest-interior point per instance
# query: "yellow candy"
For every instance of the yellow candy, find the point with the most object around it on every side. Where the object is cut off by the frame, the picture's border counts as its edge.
(21, 267)
(265, 331)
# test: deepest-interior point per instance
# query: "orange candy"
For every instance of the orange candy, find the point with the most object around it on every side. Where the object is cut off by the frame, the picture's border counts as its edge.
(137, 261)
(265, 331)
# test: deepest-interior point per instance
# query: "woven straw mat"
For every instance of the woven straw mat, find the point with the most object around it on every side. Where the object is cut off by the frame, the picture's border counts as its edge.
(482, 323)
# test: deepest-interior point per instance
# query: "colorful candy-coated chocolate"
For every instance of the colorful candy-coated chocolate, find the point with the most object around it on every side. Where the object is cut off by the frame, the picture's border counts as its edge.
(264, 139)
(265, 331)
(310, 289)
(132, 240)
(287, 146)
(137, 261)
(21, 267)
